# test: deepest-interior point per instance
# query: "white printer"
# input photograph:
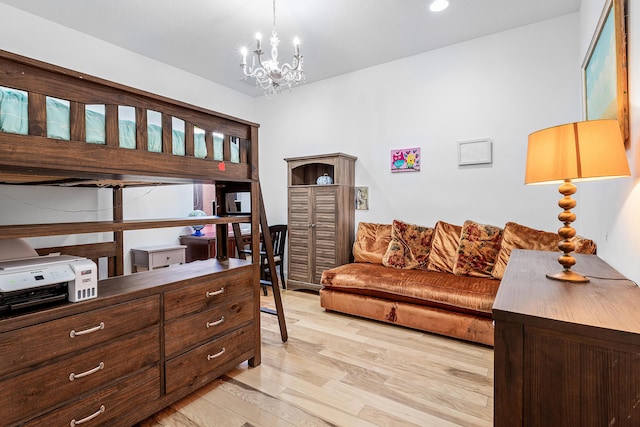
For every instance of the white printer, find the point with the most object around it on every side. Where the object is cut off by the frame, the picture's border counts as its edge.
(27, 282)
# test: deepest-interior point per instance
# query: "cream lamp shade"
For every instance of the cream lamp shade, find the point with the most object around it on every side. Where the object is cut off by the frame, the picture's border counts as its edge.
(579, 151)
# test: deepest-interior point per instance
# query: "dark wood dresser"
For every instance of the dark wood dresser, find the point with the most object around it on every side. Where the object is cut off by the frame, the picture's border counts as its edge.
(566, 354)
(146, 341)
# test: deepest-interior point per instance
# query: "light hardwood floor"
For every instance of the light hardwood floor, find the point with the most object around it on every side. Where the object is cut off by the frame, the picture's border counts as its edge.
(338, 370)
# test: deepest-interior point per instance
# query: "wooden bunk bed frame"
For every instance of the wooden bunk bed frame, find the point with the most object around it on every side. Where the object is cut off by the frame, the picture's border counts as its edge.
(153, 312)
(35, 159)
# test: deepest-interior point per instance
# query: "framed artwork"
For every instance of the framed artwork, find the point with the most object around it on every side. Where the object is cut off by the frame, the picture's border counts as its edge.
(604, 70)
(475, 152)
(362, 198)
(405, 160)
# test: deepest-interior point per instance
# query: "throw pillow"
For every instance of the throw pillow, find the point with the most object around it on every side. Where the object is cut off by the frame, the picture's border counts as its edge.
(584, 246)
(444, 247)
(372, 241)
(409, 246)
(478, 249)
(516, 236)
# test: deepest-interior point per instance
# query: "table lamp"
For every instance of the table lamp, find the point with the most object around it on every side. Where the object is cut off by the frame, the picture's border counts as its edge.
(579, 151)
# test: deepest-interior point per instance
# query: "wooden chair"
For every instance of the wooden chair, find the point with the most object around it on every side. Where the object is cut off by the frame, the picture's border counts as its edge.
(278, 238)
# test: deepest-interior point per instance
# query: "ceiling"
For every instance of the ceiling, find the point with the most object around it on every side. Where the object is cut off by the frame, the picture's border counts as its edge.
(204, 37)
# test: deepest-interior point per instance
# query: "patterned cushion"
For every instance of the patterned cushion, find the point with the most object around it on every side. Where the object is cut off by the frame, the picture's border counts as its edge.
(372, 241)
(585, 246)
(444, 247)
(516, 236)
(409, 246)
(478, 249)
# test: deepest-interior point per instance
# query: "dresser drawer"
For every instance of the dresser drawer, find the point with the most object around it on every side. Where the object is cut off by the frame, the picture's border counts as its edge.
(67, 379)
(166, 258)
(201, 296)
(186, 332)
(116, 405)
(28, 346)
(202, 364)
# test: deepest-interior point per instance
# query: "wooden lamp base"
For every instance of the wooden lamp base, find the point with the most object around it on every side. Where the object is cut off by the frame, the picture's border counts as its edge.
(568, 276)
(567, 188)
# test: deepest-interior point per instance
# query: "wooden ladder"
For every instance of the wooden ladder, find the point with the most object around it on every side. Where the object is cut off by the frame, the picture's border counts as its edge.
(225, 192)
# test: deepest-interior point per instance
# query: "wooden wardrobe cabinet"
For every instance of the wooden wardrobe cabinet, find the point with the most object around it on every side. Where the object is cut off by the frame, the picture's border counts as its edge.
(321, 217)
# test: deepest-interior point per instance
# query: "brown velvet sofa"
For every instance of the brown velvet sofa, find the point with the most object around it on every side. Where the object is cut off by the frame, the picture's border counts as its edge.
(441, 280)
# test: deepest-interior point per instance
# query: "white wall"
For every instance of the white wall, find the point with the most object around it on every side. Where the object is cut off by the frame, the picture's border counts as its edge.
(611, 209)
(59, 45)
(502, 87)
(62, 46)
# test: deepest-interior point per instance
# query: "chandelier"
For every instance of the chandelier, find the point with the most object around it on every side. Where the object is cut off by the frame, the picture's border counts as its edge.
(269, 74)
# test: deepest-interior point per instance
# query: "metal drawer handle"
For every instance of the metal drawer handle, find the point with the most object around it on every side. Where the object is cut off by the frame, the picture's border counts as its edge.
(74, 423)
(73, 376)
(216, 323)
(214, 293)
(73, 333)
(213, 356)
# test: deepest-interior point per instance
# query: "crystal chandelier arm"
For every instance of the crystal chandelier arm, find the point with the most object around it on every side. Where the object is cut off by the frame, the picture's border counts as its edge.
(253, 71)
(261, 70)
(259, 73)
(287, 69)
(296, 65)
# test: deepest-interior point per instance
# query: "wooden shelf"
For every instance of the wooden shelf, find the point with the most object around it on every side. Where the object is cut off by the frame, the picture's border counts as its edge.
(58, 229)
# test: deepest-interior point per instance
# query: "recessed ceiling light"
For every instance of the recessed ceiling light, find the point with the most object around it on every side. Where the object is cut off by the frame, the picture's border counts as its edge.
(438, 5)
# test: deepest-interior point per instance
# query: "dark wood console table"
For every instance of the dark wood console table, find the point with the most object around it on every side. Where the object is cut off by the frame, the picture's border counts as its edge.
(204, 247)
(566, 354)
